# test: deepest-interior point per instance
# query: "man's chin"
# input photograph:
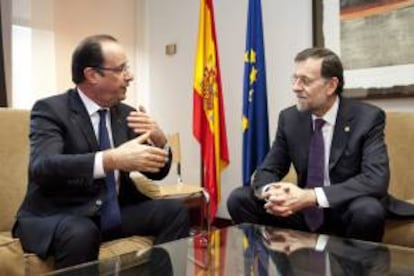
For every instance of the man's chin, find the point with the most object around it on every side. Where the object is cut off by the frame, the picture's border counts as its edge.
(122, 97)
(116, 101)
(301, 107)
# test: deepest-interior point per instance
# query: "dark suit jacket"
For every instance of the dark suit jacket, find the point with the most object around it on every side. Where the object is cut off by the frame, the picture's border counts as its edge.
(63, 146)
(358, 163)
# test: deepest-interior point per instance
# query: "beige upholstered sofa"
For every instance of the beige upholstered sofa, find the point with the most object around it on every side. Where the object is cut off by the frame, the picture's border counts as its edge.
(399, 136)
(14, 154)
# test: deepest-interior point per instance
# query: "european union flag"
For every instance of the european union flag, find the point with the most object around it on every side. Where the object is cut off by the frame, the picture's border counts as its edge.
(255, 117)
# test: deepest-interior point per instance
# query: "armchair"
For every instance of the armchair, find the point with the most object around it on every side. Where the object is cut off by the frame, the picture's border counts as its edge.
(14, 158)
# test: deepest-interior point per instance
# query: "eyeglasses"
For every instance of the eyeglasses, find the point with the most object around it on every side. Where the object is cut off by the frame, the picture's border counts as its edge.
(123, 68)
(304, 81)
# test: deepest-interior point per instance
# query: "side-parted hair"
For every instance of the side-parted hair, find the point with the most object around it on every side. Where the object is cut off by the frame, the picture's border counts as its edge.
(88, 54)
(331, 64)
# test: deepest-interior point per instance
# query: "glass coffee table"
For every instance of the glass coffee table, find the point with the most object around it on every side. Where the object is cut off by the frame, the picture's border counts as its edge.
(249, 249)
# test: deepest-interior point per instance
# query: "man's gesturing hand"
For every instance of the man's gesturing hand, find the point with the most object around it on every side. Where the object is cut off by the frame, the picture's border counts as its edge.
(141, 122)
(135, 156)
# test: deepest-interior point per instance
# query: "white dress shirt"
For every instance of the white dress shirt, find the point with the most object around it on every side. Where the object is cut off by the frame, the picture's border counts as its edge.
(93, 108)
(327, 131)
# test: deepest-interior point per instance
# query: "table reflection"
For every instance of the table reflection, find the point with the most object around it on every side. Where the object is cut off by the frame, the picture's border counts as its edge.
(257, 250)
(301, 253)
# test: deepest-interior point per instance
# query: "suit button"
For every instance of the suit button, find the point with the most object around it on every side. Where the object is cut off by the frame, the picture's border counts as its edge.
(98, 203)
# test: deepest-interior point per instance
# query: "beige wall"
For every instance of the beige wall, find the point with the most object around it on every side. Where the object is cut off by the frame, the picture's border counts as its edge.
(57, 27)
(6, 21)
(75, 19)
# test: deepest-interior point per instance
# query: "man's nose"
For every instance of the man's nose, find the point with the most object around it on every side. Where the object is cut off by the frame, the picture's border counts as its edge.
(296, 86)
(129, 76)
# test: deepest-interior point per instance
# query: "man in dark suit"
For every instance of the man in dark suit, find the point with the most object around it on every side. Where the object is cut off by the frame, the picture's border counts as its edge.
(67, 210)
(354, 171)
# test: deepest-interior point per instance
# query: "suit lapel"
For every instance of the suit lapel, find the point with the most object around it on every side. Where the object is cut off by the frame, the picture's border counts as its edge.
(80, 118)
(341, 132)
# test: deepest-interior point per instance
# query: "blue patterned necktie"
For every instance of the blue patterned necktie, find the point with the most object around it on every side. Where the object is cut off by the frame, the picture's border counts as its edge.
(316, 165)
(110, 215)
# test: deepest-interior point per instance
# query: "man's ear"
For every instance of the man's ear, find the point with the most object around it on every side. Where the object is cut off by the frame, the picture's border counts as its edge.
(91, 75)
(332, 85)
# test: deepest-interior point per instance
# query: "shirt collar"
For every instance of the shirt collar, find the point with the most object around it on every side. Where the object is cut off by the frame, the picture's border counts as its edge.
(90, 105)
(330, 116)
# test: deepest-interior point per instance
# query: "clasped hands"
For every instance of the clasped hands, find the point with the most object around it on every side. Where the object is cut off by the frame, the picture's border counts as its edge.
(287, 241)
(284, 198)
(143, 153)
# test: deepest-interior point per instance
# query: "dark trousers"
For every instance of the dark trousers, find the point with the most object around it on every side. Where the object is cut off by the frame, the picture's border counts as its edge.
(362, 218)
(77, 239)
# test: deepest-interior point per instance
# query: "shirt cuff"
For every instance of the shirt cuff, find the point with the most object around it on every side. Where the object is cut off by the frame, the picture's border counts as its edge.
(321, 198)
(265, 188)
(98, 168)
(321, 242)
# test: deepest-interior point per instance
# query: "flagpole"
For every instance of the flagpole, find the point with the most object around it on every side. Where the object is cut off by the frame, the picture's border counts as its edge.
(205, 214)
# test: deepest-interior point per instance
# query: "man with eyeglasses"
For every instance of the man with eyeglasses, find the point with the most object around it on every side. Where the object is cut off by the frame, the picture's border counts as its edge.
(84, 143)
(336, 146)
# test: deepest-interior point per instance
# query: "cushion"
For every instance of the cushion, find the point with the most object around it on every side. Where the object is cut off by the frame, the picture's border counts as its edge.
(14, 159)
(399, 136)
(11, 257)
(125, 245)
(37, 266)
(5, 236)
(399, 232)
(155, 191)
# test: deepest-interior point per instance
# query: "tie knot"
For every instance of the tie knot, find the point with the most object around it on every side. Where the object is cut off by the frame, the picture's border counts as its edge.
(319, 123)
(102, 113)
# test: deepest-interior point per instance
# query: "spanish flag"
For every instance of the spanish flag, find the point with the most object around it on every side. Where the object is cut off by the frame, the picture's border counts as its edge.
(208, 113)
